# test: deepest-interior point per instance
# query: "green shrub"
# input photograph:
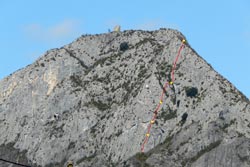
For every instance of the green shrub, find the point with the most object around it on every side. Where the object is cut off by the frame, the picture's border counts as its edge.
(124, 46)
(191, 91)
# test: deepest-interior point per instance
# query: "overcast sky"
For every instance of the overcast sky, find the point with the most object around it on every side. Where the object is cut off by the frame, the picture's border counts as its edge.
(219, 30)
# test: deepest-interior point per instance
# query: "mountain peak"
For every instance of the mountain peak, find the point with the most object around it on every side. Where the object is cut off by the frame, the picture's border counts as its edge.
(91, 102)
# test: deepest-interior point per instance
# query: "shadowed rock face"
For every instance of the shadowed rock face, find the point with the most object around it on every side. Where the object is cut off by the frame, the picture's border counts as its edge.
(91, 101)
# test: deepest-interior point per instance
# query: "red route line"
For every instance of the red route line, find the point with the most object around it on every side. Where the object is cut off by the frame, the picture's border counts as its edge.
(161, 97)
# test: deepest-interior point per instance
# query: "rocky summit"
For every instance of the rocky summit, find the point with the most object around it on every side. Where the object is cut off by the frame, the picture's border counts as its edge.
(90, 103)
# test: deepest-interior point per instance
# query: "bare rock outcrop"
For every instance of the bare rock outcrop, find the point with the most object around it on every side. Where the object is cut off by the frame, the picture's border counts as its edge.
(90, 102)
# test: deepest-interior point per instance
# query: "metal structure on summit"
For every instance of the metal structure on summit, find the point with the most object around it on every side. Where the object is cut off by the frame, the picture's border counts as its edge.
(152, 121)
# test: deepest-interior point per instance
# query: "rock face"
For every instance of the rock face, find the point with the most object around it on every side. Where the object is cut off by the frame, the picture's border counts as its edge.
(90, 102)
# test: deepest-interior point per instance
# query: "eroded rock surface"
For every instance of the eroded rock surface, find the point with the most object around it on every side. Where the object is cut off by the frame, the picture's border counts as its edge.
(91, 102)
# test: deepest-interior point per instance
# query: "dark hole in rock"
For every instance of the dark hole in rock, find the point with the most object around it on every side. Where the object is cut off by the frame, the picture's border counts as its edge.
(221, 116)
(191, 91)
(178, 103)
(42, 64)
(184, 117)
(123, 46)
(56, 116)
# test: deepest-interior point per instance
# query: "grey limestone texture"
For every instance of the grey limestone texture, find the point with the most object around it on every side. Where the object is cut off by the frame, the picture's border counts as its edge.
(90, 102)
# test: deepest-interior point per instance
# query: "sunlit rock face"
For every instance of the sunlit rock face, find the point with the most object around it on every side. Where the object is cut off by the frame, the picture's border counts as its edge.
(91, 101)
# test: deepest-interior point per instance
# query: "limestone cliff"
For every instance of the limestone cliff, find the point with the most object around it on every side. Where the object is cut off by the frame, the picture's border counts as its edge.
(90, 102)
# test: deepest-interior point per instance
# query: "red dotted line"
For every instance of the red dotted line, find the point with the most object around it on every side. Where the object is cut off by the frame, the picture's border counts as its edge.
(162, 95)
